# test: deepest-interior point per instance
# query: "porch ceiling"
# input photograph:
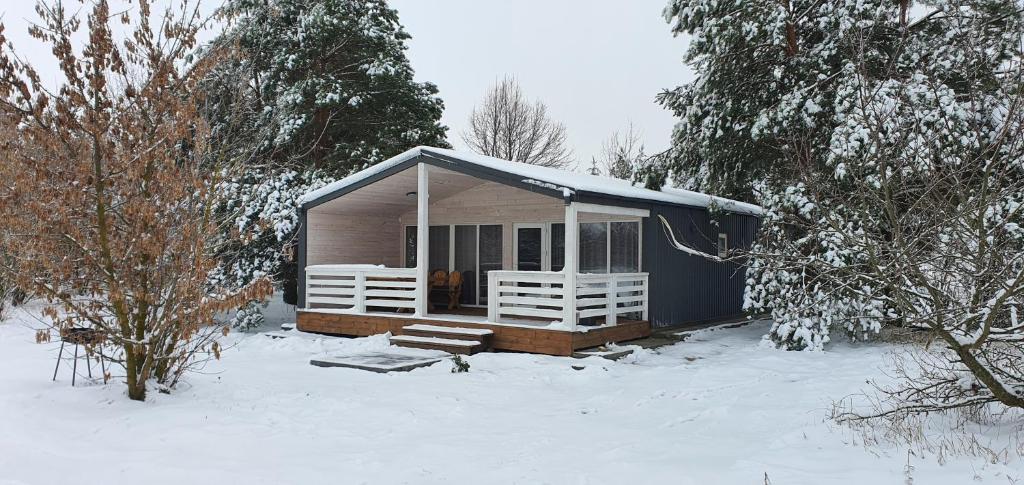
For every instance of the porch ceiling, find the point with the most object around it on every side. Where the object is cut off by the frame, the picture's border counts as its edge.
(389, 196)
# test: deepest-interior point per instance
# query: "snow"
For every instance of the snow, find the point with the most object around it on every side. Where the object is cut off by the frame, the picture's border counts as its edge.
(565, 181)
(717, 408)
(452, 330)
(434, 340)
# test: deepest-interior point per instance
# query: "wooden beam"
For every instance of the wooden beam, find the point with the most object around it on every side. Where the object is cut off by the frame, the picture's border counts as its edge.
(611, 209)
(571, 264)
(422, 238)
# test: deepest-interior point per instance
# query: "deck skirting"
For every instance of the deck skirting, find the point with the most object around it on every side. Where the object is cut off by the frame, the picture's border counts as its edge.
(517, 338)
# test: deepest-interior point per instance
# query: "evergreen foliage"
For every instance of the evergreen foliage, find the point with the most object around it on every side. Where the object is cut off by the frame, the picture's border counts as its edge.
(313, 90)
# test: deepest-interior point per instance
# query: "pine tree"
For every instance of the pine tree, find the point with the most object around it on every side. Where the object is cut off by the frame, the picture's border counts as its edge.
(320, 84)
(767, 74)
(312, 91)
(797, 104)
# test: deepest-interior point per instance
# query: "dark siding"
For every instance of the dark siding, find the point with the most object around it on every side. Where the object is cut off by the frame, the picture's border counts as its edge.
(687, 288)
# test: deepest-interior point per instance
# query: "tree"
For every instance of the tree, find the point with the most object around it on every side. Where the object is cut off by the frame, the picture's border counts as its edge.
(918, 219)
(307, 91)
(507, 126)
(319, 84)
(762, 103)
(107, 191)
(623, 154)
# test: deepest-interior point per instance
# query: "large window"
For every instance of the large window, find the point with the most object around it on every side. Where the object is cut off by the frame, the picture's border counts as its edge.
(476, 250)
(557, 246)
(490, 255)
(465, 249)
(594, 247)
(624, 254)
(613, 246)
(440, 238)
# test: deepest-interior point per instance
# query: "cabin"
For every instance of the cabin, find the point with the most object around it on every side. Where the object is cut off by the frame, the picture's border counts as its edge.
(463, 253)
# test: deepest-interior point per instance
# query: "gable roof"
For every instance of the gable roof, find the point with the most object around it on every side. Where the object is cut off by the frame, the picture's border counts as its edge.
(551, 179)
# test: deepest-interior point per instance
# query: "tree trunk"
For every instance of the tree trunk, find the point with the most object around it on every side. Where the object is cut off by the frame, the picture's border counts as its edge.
(136, 383)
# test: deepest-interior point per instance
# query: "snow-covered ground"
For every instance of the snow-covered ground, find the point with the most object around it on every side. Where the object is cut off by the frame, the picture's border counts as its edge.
(717, 408)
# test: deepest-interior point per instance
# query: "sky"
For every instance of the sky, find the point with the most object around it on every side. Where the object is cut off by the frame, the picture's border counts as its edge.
(597, 64)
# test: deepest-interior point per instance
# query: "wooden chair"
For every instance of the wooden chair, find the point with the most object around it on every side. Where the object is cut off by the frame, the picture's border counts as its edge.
(454, 290)
(449, 284)
(438, 279)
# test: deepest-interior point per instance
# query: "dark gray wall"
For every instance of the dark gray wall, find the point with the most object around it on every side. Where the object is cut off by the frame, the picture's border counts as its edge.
(687, 289)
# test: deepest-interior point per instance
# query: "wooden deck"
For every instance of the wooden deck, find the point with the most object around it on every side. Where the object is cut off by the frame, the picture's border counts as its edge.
(512, 337)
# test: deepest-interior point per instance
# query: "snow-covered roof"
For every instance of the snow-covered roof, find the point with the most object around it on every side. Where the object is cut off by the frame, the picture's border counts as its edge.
(565, 181)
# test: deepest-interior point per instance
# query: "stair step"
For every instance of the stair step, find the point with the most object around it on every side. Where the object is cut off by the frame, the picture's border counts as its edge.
(452, 330)
(455, 346)
(483, 335)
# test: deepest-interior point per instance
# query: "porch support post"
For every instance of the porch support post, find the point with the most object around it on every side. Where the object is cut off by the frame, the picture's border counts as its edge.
(422, 239)
(571, 266)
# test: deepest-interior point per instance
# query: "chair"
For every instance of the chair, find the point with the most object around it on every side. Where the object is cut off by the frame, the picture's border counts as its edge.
(449, 284)
(454, 290)
(438, 279)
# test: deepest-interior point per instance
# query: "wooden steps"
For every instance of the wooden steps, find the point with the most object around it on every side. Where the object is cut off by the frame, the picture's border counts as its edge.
(455, 340)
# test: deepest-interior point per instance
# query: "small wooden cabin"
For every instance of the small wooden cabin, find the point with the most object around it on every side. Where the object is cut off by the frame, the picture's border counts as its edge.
(538, 259)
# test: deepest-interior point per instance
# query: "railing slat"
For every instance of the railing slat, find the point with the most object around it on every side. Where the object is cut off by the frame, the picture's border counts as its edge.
(535, 290)
(530, 312)
(532, 300)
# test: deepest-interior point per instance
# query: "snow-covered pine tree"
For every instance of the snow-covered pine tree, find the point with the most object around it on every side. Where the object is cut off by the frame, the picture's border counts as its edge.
(766, 79)
(312, 90)
(779, 114)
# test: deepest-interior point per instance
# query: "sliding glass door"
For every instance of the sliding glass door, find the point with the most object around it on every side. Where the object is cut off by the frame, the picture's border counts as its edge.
(470, 249)
(464, 250)
(490, 241)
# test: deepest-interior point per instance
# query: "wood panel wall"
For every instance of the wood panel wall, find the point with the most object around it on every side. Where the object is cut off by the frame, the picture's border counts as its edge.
(352, 239)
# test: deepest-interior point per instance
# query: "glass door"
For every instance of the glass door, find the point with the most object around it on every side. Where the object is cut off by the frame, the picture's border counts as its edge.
(464, 261)
(529, 247)
(490, 240)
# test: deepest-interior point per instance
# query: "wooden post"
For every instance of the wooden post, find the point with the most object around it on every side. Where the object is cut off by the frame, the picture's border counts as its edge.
(647, 293)
(422, 239)
(571, 265)
(613, 300)
(360, 293)
(492, 296)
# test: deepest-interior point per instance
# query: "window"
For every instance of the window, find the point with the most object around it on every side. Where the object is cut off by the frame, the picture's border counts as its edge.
(557, 246)
(440, 238)
(470, 249)
(465, 249)
(624, 249)
(594, 247)
(490, 241)
(723, 245)
(410, 246)
(609, 246)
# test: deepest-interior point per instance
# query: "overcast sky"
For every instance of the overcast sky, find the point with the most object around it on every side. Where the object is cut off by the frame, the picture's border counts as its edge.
(598, 64)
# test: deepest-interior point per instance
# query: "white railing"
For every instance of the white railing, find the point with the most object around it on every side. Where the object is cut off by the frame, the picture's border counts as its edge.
(541, 295)
(360, 287)
(611, 295)
(525, 294)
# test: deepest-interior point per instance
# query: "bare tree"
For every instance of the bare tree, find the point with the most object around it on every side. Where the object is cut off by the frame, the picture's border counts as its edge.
(107, 193)
(508, 126)
(623, 153)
